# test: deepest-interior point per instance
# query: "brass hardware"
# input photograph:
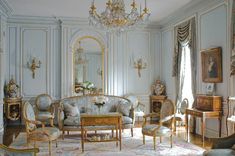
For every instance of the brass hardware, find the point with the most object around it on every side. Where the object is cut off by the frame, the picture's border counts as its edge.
(34, 65)
(140, 64)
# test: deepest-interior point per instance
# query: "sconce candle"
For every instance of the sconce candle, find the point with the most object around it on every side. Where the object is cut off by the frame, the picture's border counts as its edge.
(34, 65)
(140, 64)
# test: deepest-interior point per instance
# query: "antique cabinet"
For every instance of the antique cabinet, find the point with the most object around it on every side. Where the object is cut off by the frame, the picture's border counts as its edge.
(12, 108)
(209, 103)
(156, 103)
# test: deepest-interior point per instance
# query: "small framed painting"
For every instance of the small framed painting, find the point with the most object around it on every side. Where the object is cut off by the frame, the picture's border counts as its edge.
(212, 65)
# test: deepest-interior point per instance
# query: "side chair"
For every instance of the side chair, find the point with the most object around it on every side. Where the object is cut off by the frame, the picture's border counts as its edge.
(34, 133)
(165, 126)
(45, 110)
(180, 112)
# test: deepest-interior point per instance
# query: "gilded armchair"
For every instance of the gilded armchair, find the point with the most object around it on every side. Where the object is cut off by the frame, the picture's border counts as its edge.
(5, 151)
(165, 126)
(34, 133)
(44, 108)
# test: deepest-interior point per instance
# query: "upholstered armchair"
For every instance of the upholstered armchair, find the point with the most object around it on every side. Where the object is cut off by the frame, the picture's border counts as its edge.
(34, 133)
(139, 108)
(5, 151)
(165, 126)
(44, 108)
(222, 146)
(180, 112)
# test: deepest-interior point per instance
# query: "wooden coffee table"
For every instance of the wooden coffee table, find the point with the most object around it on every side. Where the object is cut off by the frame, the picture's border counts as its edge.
(111, 120)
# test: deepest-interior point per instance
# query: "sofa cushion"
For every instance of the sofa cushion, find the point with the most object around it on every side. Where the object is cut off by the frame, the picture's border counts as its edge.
(123, 108)
(72, 121)
(126, 120)
(71, 110)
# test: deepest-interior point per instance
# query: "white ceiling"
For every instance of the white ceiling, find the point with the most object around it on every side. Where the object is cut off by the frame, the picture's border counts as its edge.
(79, 8)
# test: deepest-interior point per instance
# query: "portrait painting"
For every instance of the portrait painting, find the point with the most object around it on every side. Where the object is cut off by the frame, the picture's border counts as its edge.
(212, 65)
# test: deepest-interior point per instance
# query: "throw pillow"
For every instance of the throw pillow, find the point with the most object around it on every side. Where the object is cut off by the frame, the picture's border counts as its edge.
(71, 110)
(123, 108)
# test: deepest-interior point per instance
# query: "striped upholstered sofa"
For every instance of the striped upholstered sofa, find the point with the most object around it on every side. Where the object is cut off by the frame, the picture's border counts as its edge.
(85, 104)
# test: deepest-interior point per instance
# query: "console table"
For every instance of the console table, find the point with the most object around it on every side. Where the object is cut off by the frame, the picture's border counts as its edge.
(110, 120)
(206, 107)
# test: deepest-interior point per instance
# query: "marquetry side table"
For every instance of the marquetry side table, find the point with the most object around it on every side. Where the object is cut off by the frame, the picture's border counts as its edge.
(203, 115)
(12, 108)
(111, 121)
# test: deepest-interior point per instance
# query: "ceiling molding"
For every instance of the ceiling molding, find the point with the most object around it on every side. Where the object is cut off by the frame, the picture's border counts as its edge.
(188, 10)
(5, 8)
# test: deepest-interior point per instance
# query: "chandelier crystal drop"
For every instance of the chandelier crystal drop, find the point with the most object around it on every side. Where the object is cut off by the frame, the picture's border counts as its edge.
(115, 18)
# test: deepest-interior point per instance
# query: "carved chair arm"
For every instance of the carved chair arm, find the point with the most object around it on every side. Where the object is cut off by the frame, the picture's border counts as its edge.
(36, 122)
(151, 115)
(167, 118)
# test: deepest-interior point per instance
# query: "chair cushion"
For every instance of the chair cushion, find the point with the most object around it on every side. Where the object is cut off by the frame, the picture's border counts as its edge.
(139, 113)
(44, 103)
(71, 110)
(53, 132)
(179, 117)
(44, 116)
(162, 131)
(123, 108)
(72, 121)
(183, 107)
(126, 120)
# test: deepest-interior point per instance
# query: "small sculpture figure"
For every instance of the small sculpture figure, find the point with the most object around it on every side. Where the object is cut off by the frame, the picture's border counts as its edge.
(11, 89)
(159, 88)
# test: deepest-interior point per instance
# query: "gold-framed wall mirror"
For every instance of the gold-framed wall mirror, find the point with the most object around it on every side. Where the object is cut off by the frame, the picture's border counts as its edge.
(88, 66)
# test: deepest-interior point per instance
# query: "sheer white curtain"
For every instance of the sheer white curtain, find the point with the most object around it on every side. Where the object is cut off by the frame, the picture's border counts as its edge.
(186, 76)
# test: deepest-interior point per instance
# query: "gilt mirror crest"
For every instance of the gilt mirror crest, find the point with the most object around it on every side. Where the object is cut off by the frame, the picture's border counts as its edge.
(88, 66)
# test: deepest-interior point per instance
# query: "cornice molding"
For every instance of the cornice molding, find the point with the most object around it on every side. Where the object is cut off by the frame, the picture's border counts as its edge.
(188, 10)
(65, 21)
(5, 8)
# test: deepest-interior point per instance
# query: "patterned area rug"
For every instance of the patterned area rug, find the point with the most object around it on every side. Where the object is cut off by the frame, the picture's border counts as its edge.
(71, 146)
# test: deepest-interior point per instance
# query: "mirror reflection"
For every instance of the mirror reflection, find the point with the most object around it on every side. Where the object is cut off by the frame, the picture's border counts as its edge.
(88, 66)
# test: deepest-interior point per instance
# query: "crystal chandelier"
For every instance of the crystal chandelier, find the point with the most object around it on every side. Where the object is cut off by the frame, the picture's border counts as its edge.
(81, 57)
(115, 18)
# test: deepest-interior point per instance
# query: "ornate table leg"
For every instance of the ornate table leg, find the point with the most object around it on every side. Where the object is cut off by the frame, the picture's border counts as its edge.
(203, 128)
(186, 125)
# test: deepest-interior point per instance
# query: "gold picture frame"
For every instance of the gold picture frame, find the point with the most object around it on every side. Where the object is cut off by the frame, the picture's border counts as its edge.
(212, 65)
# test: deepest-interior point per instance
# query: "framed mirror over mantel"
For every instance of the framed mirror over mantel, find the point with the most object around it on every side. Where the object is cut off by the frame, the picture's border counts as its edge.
(88, 66)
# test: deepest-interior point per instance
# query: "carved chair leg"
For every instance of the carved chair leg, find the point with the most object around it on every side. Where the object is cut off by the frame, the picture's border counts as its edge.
(51, 123)
(63, 135)
(49, 147)
(68, 132)
(154, 143)
(56, 143)
(143, 139)
(160, 139)
(171, 140)
(132, 132)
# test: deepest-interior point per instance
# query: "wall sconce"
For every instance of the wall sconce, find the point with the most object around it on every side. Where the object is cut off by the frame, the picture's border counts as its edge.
(140, 64)
(34, 65)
